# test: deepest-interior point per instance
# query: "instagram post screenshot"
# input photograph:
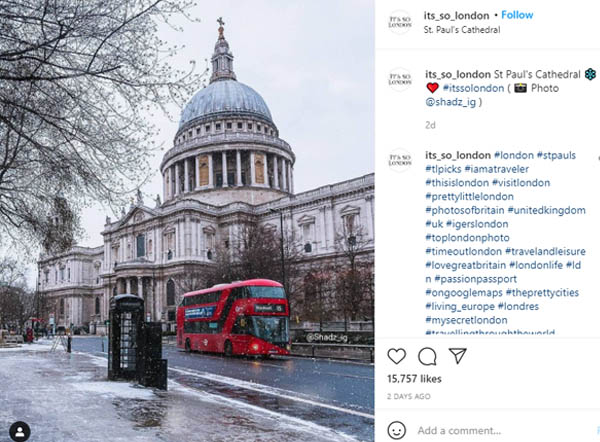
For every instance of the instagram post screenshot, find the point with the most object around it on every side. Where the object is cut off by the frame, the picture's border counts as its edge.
(300, 220)
(187, 220)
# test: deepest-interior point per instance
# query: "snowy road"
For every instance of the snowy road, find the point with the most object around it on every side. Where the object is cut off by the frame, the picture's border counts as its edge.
(66, 398)
(331, 394)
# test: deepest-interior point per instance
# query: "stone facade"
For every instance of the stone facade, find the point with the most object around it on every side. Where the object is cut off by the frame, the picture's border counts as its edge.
(73, 286)
(227, 165)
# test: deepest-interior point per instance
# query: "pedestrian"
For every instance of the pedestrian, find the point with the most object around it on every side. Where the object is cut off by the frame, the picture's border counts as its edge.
(29, 335)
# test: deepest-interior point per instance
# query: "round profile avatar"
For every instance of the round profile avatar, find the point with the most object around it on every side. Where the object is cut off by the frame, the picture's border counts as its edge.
(396, 430)
(19, 431)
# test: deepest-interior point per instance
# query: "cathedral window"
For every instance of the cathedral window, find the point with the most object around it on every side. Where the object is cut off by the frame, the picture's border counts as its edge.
(351, 223)
(218, 126)
(229, 125)
(239, 126)
(209, 241)
(169, 243)
(207, 128)
(249, 126)
(97, 306)
(141, 245)
(307, 228)
(170, 292)
(308, 236)
(115, 253)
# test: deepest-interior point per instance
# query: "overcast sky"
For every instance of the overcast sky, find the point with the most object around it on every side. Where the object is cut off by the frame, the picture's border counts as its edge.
(313, 63)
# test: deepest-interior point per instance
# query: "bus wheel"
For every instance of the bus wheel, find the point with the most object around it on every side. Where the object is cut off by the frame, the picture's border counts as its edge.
(228, 350)
(188, 346)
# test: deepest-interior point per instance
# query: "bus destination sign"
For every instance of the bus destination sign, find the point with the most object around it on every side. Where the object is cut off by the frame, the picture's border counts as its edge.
(199, 312)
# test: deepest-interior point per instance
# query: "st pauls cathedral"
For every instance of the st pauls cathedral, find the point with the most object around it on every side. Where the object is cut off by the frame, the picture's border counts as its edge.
(227, 164)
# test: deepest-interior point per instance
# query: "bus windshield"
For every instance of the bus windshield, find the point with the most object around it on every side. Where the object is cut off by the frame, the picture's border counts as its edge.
(265, 292)
(269, 328)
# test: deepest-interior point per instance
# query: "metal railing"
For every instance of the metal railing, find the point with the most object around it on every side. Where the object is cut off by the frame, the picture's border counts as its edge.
(340, 351)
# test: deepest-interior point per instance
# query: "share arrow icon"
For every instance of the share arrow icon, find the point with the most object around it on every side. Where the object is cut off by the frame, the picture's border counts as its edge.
(458, 353)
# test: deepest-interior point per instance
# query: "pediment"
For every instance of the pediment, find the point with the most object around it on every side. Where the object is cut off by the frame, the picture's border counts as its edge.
(349, 210)
(137, 215)
(306, 219)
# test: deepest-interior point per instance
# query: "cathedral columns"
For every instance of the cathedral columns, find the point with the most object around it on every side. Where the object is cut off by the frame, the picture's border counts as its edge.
(210, 171)
(176, 179)
(168, 176)
(224, 168)
(369, 215)
(284, 174)
(238, 165)
(186, 178)
(252, 171)
(165, 195)
(266, 169)
(275, 172)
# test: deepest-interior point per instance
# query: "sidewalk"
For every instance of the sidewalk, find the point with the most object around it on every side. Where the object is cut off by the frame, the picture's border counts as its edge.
(65, 397)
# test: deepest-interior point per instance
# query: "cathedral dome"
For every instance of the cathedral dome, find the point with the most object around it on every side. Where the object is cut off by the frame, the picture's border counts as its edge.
(225, 96)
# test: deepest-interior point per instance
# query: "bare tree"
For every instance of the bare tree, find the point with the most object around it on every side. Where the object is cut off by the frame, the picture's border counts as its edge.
(252, 253)
(255, 252)
(16, 302)
(193, 277)
(79, 79)
(319, 286)
(11, 272)
(354, 276)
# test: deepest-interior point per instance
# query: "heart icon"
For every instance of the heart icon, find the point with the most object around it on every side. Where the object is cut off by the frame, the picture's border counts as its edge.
(432, 87)
(396, 355)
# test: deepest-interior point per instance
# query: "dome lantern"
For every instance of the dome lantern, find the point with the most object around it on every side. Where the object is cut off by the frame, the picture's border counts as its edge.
(222, 59)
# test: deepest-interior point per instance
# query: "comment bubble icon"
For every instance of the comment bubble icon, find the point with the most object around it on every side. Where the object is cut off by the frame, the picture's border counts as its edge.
(427, 356)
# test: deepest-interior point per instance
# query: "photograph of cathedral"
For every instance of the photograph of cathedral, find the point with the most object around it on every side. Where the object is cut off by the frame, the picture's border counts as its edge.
(228, 167)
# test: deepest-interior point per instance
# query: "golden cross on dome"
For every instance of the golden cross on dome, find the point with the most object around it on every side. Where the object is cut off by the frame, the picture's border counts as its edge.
(221, 23)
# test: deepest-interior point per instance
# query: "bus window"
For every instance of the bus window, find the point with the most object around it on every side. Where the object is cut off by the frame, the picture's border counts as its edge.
(265, 292)
(270, 328)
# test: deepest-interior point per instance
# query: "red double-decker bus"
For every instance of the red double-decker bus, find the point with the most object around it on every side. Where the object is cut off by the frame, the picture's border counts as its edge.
(242, 318)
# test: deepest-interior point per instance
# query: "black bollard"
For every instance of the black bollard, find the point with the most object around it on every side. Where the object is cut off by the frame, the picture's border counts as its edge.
(69, 344)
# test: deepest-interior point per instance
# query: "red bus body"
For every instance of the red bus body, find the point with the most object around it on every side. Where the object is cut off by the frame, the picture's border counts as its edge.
(242, 318)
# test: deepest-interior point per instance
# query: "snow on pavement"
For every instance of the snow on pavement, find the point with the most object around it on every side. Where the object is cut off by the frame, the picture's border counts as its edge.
(66, 397)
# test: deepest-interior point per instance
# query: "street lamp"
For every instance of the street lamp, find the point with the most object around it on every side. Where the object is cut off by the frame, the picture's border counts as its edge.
(281, 245)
